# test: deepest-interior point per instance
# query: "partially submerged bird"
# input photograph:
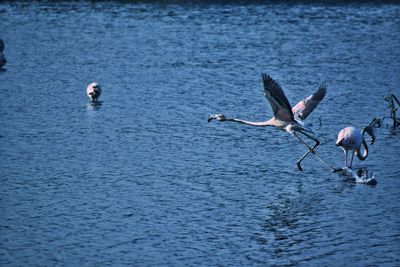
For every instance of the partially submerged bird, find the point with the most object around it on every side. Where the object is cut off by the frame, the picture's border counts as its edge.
(392, 100)
(3, 60)
(285, 117)
(93, 91)
(351, 139)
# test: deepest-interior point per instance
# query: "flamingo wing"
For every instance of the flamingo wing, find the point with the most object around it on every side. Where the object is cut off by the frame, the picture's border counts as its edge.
(276, 97)
(307, 105)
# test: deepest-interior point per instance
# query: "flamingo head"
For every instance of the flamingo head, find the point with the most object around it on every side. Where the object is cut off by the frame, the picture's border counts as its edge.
(96, 86)
(370, 131)
(218, 117)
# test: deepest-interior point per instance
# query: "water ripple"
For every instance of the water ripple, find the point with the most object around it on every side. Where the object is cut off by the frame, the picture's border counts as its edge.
(143, 179)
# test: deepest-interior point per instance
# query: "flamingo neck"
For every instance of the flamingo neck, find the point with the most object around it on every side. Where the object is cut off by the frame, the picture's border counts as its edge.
(364, 155)
(251, 123)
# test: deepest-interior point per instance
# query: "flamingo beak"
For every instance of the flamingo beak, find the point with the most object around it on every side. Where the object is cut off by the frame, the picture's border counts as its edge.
(372, 138)
(371, 133)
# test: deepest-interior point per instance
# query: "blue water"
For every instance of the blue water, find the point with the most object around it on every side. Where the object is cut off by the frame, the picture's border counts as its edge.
(144, 180)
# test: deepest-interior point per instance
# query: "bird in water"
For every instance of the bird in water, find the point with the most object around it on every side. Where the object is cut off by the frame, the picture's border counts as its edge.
(3, 60)
(392, 100)
(352, 139)
(93, 91)
(285, 117)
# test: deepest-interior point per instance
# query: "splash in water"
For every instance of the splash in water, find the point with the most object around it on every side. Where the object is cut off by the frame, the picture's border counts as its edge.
(361, 175)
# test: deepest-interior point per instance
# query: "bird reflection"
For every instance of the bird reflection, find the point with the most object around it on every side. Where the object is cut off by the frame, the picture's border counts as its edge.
(392, 101)
(94, 105)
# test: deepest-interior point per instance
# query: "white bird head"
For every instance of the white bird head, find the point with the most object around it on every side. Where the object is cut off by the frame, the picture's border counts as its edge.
(95, 86)
(218, 117)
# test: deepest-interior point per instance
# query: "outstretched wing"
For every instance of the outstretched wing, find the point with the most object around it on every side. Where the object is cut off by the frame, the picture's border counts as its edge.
(307, 105)
(275, 96)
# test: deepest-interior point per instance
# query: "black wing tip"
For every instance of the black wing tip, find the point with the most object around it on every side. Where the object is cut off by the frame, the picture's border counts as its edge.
(266, 77)
(321, 92)
(268, 81)
(323, 87)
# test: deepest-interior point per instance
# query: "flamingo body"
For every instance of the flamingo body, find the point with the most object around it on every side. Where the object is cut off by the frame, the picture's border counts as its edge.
(93, 91)
(352, 139)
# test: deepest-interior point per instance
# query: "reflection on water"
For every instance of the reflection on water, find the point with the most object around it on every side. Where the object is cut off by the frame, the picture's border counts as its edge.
(94, 105)
(143, 178)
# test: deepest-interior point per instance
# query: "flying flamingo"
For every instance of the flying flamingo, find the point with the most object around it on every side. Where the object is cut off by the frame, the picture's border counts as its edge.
(93, 91)
(286, 118)
(351, 138)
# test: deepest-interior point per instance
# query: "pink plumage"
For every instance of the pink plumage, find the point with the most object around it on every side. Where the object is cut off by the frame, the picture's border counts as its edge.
(352, 139)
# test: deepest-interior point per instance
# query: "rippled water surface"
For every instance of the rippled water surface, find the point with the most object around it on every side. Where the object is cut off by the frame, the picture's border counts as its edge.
(143, 179)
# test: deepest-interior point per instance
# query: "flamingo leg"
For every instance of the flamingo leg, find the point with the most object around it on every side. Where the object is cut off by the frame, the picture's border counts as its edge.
(345, 160)
(310, 150)
(351, 160)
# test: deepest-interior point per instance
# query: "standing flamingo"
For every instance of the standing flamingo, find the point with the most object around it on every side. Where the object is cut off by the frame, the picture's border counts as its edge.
(285, 117)
(93, 91)
(351, 138)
